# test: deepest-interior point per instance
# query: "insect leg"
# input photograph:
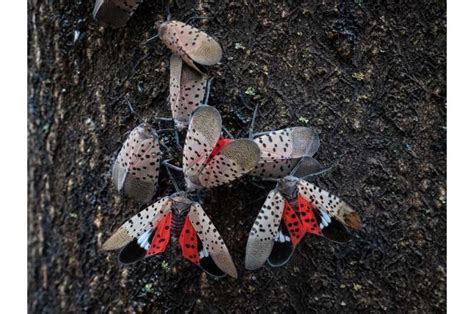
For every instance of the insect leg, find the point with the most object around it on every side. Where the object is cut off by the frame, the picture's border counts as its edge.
(270, 179)
(167, 9)
(227, 132)
(208, 90)
(173, 180)
(164, 119)
(197, 17)
(261, 133)
(168, 165)
(252, 123)
(306, 177)
(176, 138)
(252, 181)
(165, 130)
(150, 39)
(130, 107)
(177, 4)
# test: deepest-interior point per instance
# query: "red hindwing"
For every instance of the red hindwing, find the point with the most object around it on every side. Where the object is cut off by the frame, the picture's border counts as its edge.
(309, 221)
(293, 224)
(220, 144)
(161, 237)
(189, 242)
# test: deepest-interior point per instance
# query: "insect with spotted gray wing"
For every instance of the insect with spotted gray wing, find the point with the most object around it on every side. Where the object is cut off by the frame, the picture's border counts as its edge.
(195, 47)
(114, 13)
(281, 150)
(136, 169)
(187, 91)
(209, 159)
(178, 217)
(296, 207)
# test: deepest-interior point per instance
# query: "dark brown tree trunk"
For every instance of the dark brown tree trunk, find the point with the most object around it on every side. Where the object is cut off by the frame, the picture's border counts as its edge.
(370, 76)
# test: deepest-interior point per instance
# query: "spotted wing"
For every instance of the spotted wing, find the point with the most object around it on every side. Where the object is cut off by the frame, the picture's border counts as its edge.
(211, 243)
(278, 168)
(220, 144)
(139, 224)
(136, 169)
(334, 206)
(309, 221)
(306, 166)
(114, 13)
(151, 242)
(281, 150)
(203, 133)
(176, 69)
(264, 231)
(290, 233)
(293, 224)
(188, 241)
(192, 45)
(234, 160)
(187, 90)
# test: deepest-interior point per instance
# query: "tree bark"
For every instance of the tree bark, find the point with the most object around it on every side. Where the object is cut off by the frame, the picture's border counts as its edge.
(369, 76)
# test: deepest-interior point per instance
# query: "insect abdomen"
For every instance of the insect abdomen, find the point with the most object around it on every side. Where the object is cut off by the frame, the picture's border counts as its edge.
(177, 222)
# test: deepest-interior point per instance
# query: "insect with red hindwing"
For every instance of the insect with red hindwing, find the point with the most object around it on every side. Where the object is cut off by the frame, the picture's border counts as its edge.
(187, 91)
(210, 160)
(178, 217)
(195, 47)
(296, 207)
(281, 150)
(136, 169)
(114, 13)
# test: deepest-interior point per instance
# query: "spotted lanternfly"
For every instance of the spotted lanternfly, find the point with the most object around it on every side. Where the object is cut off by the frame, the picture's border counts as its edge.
(114, 13)
(210, 160)
(296, 207)
(177, 217)
(187, 91)
(283, 149)
(195, 47)
(135, 171)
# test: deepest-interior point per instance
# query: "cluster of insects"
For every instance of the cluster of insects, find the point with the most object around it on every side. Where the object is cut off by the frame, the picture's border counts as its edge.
(209, 159)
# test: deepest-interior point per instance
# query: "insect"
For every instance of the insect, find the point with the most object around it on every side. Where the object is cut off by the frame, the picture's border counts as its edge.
(195, 47)
(282, 150)
(296, 207)
(178, 217)
(209, 160)
(187, 90)
(135, 171)
(114, 13)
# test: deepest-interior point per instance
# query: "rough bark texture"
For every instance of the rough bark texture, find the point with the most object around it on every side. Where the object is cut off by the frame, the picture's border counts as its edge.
(370, 76)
